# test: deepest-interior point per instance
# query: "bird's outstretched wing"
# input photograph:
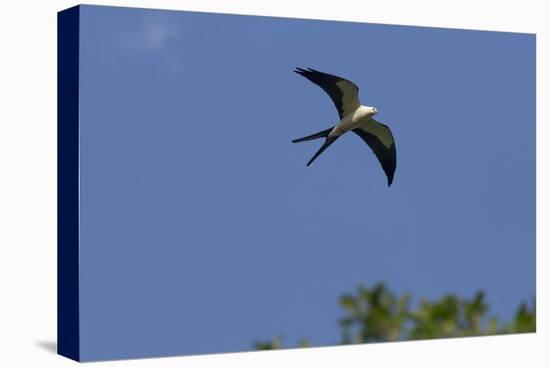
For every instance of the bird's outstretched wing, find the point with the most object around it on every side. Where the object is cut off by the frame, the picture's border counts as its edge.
(342, 92)
(380, 139)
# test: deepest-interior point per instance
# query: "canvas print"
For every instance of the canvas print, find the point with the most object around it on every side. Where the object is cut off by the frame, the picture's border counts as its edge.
(235, 183)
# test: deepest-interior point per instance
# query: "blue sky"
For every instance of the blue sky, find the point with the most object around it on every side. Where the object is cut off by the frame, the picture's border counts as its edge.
(201, 227)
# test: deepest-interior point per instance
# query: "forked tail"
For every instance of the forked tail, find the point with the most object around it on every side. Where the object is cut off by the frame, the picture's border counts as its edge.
(320, 134)
(326, 144)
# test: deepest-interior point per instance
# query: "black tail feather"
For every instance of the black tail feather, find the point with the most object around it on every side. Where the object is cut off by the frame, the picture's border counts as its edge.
(325, 145)
(320, 134)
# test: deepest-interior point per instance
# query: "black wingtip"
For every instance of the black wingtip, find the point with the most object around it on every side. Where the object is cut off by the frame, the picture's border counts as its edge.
(303, 72)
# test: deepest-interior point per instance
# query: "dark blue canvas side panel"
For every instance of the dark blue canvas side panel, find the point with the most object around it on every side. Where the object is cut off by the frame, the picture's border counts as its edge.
(67, 183)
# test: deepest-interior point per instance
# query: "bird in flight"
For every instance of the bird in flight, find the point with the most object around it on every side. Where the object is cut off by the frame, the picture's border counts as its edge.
(353, 117)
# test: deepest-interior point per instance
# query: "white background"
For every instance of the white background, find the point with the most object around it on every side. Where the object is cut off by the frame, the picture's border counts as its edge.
(28, 182)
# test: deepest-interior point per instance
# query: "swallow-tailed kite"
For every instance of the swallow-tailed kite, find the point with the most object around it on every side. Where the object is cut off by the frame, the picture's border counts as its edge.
(353, 117)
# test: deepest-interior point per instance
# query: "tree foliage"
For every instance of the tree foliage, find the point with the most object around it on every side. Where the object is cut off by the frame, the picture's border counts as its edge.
(376, 314)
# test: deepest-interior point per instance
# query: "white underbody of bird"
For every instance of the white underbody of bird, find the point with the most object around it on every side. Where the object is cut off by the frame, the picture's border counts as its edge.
(362, 115)
(353, 117)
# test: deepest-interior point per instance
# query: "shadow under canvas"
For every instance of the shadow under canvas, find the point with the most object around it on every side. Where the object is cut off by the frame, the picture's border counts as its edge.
(48, 345)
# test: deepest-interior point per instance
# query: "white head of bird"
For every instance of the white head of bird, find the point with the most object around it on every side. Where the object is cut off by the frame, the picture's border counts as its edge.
(372, 110)
(366, 111)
